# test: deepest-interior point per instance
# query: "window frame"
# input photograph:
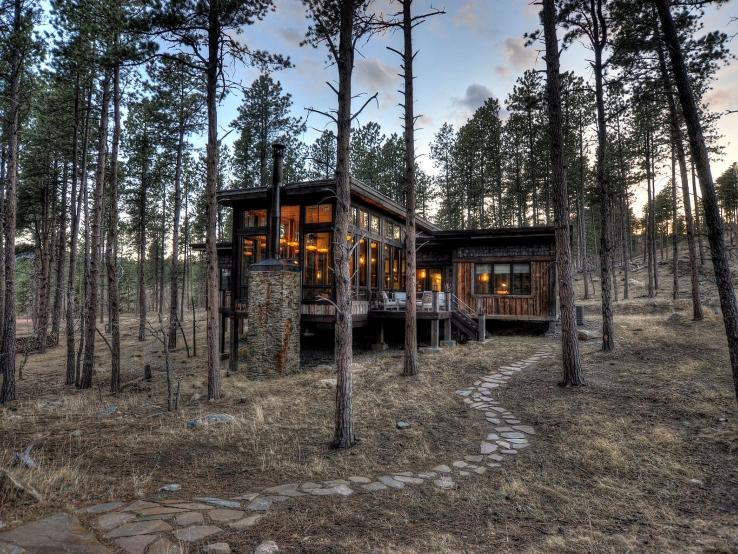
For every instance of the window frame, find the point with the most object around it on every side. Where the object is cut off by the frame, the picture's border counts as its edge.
(510, 275)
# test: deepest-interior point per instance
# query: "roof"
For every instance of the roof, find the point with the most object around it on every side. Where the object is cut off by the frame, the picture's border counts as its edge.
(538, 232)
(293, 191)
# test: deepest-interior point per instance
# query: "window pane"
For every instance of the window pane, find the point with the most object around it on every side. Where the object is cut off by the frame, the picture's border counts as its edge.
(322, 213)
(374, 282)
(363, 220)
(502, 279)
(326, 213)
(388, 229)
(289, 238)
(362, 262)
(420, 279)
(375, 224)
(317, 255)
(396, 232)
(396, 269)
(254, 218)
(482, 279)
(253, 250)
(436, 277)
(521, 279)
(387, 263)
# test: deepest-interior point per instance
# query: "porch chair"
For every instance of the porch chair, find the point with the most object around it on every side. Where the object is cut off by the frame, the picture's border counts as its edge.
(401, 299)
(385, 302)
(426, 301)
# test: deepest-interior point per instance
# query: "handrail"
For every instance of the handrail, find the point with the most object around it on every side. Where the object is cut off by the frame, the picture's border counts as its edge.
(463, 307)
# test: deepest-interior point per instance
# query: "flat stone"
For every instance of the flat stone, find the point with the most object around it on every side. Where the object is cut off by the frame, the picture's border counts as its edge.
(508, 451)
(480, 470)
(503, 444)
(219, 502)
(100, 508)
(139, 528)
(391, 482)
(402, 425)
(473, 459)
(217, 548)
(464, 473)
(267, 547)
(196, 532)
(342, 490)
(444, 483)
(513, 435)
(189, 518)
(487, 447)
(493, 464)
(495, 457)
(360, 480)
(158, 511)
(336, 482)
(172, 487)
(279, 498)
(309, 485)
(140, 505)
(165, 546)
(428, 475)
(109, 521)
(409, 480)
(246, 497)
(493, 420)
(374, 487)
(224, 515)
(210, 419)
(135, 545)
(442, 469)
(58, 533)
(460, 464)
(528, 430)
(246, 522)
(193, 506)
(260, 505)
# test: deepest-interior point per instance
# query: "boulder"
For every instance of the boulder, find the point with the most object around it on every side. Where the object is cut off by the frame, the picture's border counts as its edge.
(210, 419)
(13, 490)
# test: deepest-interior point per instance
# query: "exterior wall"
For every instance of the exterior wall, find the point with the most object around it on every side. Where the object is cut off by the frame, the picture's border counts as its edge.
(273, 337)
(540, 305)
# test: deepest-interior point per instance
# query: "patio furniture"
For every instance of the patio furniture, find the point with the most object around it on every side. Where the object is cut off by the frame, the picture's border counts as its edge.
(401, 299)
(426, 301)
(384, 302)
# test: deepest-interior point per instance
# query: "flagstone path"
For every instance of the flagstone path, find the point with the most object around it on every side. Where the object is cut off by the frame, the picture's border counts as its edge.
(173, 526)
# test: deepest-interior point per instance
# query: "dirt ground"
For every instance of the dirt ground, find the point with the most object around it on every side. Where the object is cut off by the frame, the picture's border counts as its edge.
(644, 458)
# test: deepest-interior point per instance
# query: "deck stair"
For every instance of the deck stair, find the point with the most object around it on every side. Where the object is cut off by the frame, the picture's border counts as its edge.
(465, 319)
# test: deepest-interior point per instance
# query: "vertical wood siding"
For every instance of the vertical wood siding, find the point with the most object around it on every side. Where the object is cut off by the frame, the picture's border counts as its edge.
(536, 306)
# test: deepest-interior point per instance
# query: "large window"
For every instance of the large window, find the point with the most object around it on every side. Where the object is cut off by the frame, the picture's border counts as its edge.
(362, 262)
(322, 213)
(317, 256)
(289, 233)
(502, 279)
(253, 219)
(374, 265)
(253, 250)
(374, 227)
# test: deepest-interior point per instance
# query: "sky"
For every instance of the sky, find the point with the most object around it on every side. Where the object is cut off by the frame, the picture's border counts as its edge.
(475, 51)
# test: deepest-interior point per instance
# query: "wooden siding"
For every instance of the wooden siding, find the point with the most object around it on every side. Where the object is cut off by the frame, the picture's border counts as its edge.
(538, 306)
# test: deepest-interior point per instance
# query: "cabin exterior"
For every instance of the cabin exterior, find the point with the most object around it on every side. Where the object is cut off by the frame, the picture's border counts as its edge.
(276, 271)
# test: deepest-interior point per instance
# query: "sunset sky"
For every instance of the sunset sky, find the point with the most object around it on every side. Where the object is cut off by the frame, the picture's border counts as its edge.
(473, 52)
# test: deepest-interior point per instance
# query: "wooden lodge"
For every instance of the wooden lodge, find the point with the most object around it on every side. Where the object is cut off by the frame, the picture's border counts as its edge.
(464, 278)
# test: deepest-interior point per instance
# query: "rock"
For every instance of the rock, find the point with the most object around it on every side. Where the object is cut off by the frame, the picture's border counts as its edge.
(135, 545)
(391, 482)
(246, 522)
(267, 547)
(217, 548)
(260, 504)
(409, 480)
(360, 480)
(172, 487)
(15, 491)
(109, 521)
(473, 459)
(403, 425)
(696, 482)
(101, 508)
(442, 469)
(59, 533)
(196, 532)
(224, 515)
(488, 448)
(139, 528)
(189, 518)
(138, 505)
(107, 411)
(374, 487)
(327, 383)
(248, 497)
(444, 483)
(165, 546)
(219, 502)
(586, 335)
(24, 459)
(210, 419)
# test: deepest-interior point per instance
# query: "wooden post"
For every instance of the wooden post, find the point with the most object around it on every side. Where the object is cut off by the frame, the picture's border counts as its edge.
(233, 362)
(482, 329)
(435, 331)
(447, 341)
(380, 345)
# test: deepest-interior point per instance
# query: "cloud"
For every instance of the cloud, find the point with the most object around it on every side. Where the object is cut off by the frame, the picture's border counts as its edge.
(722, 98)
(291, 35)
(375, 75)
(518, 56)
(474, 97)
(471, 17)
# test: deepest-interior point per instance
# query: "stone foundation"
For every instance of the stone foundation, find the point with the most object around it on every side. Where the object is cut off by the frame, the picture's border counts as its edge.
(273, 335)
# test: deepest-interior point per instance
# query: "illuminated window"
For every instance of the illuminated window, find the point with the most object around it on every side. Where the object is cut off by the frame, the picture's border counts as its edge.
(396, 271)
(436, 280)
(362, 252)
(396, 232)
(253, 250)
(483, 279)
(289, 236)
(502, 279)
(362, 220)
(374, 264)
(420, 278)
(253, 219)
(374, 228)
(322, 213)
(317, 256)
(387, 258)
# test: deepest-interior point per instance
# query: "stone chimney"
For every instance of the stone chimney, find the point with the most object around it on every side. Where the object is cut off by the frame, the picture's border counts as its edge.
(273, 337)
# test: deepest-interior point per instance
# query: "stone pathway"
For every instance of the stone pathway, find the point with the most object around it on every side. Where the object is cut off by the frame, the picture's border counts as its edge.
(172, 526)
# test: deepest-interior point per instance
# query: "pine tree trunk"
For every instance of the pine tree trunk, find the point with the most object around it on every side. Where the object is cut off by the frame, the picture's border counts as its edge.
(411, 322)
(174, 277)
(600, 32)
(343, 436)
(96, 239)
(571, 360)
(60, 258)
(3, 186)
(674, 225)
(142, 240)
(713, 221)
(112, 242)
(211, 279)
(7, 345)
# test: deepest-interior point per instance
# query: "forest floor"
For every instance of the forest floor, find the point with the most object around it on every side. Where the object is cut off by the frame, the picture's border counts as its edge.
(644, 458)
